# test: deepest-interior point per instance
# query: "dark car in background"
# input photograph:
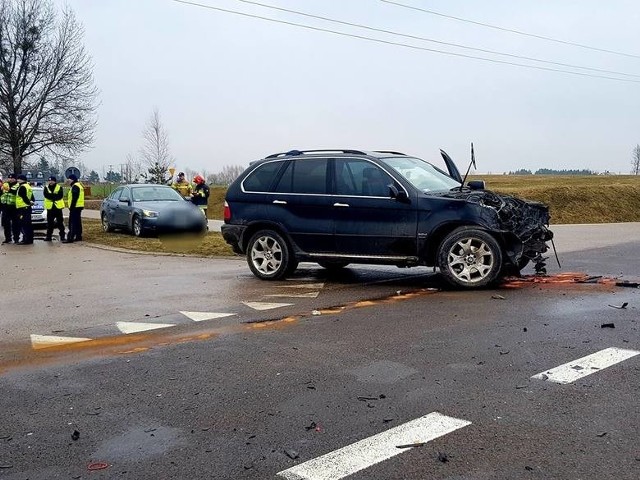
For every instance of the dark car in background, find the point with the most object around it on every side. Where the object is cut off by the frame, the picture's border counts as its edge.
(150, 209)
(336, 207)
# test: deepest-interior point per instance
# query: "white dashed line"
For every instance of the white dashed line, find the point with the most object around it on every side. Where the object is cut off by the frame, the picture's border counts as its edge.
(295, 295)
(266, 306)
(133, 327)
(365, 453)
(202, 316)
(46, 341)
(572, 371)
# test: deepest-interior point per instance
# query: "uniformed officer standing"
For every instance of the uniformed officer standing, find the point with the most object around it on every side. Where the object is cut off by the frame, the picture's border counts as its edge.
(10, 223)
(24, 202)
(54, 204)
(75, 199)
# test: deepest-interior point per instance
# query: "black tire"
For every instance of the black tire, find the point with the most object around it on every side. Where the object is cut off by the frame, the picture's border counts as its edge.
(269, 256)
(470, 258)
(136, 226)
(106, 226)
(333, 265)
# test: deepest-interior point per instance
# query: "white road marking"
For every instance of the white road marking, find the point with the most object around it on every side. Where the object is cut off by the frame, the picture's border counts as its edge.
(295, 295)
(310, 286)
(572, 371)
(133, 327)
(365, 453)
(266, 306)
(202, 316)
(46, 341)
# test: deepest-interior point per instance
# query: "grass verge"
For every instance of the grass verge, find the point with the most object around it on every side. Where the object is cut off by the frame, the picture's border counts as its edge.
(210, 245)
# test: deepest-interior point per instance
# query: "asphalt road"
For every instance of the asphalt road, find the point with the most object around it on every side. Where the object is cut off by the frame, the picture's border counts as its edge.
(318, 376)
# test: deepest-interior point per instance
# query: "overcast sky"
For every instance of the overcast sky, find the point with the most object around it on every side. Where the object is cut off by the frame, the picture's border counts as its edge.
(232, 89)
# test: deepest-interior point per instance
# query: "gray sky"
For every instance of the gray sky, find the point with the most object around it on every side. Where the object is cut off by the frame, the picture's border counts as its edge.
(232, 89)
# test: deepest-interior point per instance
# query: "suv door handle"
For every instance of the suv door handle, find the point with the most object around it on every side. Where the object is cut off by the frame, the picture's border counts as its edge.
(280, 202)
(340, 204)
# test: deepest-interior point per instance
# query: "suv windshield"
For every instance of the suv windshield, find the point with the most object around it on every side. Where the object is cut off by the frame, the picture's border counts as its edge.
(421, 174)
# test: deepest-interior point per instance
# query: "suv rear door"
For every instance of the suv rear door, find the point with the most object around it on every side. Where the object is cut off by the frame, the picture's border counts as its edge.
(368, 222)
(301, 203)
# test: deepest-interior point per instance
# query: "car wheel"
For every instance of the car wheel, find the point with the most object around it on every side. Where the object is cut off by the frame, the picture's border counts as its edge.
(136, 226)
(470, 258)
(106, 226)
(333, 265)
(269, 256)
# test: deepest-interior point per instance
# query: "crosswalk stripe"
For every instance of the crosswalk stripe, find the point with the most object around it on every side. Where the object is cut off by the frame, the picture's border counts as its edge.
(310, 286)
(266, 306)
(365, 453)
(202, 316)
(134, 327)
(572, 371)
(46, 341)
(294, 295)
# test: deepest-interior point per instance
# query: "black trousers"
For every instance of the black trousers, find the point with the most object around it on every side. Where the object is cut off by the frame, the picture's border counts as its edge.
(10, 224)
(54, 218)
(75, 224)
(24, 219)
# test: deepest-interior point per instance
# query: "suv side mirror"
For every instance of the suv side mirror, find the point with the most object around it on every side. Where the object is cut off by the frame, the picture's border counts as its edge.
(399, 195)
(476, 184)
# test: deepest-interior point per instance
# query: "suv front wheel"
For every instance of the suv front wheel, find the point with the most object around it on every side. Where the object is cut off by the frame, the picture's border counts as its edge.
(470, 258)
(269, 256)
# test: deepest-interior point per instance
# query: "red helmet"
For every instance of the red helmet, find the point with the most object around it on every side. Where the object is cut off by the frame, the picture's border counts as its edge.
(198, 179)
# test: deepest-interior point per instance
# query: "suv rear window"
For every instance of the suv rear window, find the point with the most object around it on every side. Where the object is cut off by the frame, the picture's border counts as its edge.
(307, 175)
(262, 177)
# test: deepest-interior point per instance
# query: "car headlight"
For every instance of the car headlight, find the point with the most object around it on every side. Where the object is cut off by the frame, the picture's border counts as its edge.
(149, 214)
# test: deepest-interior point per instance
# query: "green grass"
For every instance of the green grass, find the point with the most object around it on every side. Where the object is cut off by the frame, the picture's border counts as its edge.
(209, 245)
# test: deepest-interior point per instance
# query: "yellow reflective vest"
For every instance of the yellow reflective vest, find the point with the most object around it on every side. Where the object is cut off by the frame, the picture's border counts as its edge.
(19, 201)
(48, 204)
(80, 202)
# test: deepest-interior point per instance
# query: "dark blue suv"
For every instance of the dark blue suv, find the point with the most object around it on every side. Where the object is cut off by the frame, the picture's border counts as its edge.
(336, 207)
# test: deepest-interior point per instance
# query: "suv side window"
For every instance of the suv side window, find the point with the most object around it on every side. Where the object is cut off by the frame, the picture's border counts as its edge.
(261, 178)
(361, 178)
(305, 175)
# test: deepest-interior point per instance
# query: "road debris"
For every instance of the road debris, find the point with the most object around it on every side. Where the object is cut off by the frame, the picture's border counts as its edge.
(497, 297)
(620, 307)
(292, 454)
(75, 435)
(311, 426)
(97, 466)
(524, 329)
(387, 420)
(5, 465)
(624, 283)
(592, 279)
(412, 445)
(601, 434)
(608, 325)
(504, 352)
(443, 457)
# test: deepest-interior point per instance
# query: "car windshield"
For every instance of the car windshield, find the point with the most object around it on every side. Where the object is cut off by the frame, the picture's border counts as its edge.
(38, 195)
(155, 194)
(421, 174)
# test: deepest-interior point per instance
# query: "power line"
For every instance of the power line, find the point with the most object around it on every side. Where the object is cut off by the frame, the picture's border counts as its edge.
(517, 32)
(426, 39)
(398, 44)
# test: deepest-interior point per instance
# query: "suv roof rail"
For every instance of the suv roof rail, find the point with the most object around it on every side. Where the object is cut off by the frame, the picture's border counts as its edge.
(391, 152)
(293, 153)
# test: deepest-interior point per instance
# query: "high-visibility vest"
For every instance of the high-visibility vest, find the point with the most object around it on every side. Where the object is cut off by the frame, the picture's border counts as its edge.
(19, 201)
(48, 204)
(9, 194)
(80, 202)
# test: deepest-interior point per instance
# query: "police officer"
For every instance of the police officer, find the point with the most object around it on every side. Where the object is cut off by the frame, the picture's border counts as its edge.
(24, 202)
(75, 199)
(10, 223)
(53, 204)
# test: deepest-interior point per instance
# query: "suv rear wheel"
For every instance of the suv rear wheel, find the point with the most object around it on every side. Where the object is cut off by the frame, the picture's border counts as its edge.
(470, 258)
(269, 256)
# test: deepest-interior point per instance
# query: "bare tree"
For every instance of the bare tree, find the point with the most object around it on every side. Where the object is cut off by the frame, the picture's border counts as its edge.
(228, 174)
(635, 160)
(131, 170)
(155, 150)
(47, 96)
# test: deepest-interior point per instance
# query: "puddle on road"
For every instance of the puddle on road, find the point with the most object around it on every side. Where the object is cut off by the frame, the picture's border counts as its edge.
(24, 356)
